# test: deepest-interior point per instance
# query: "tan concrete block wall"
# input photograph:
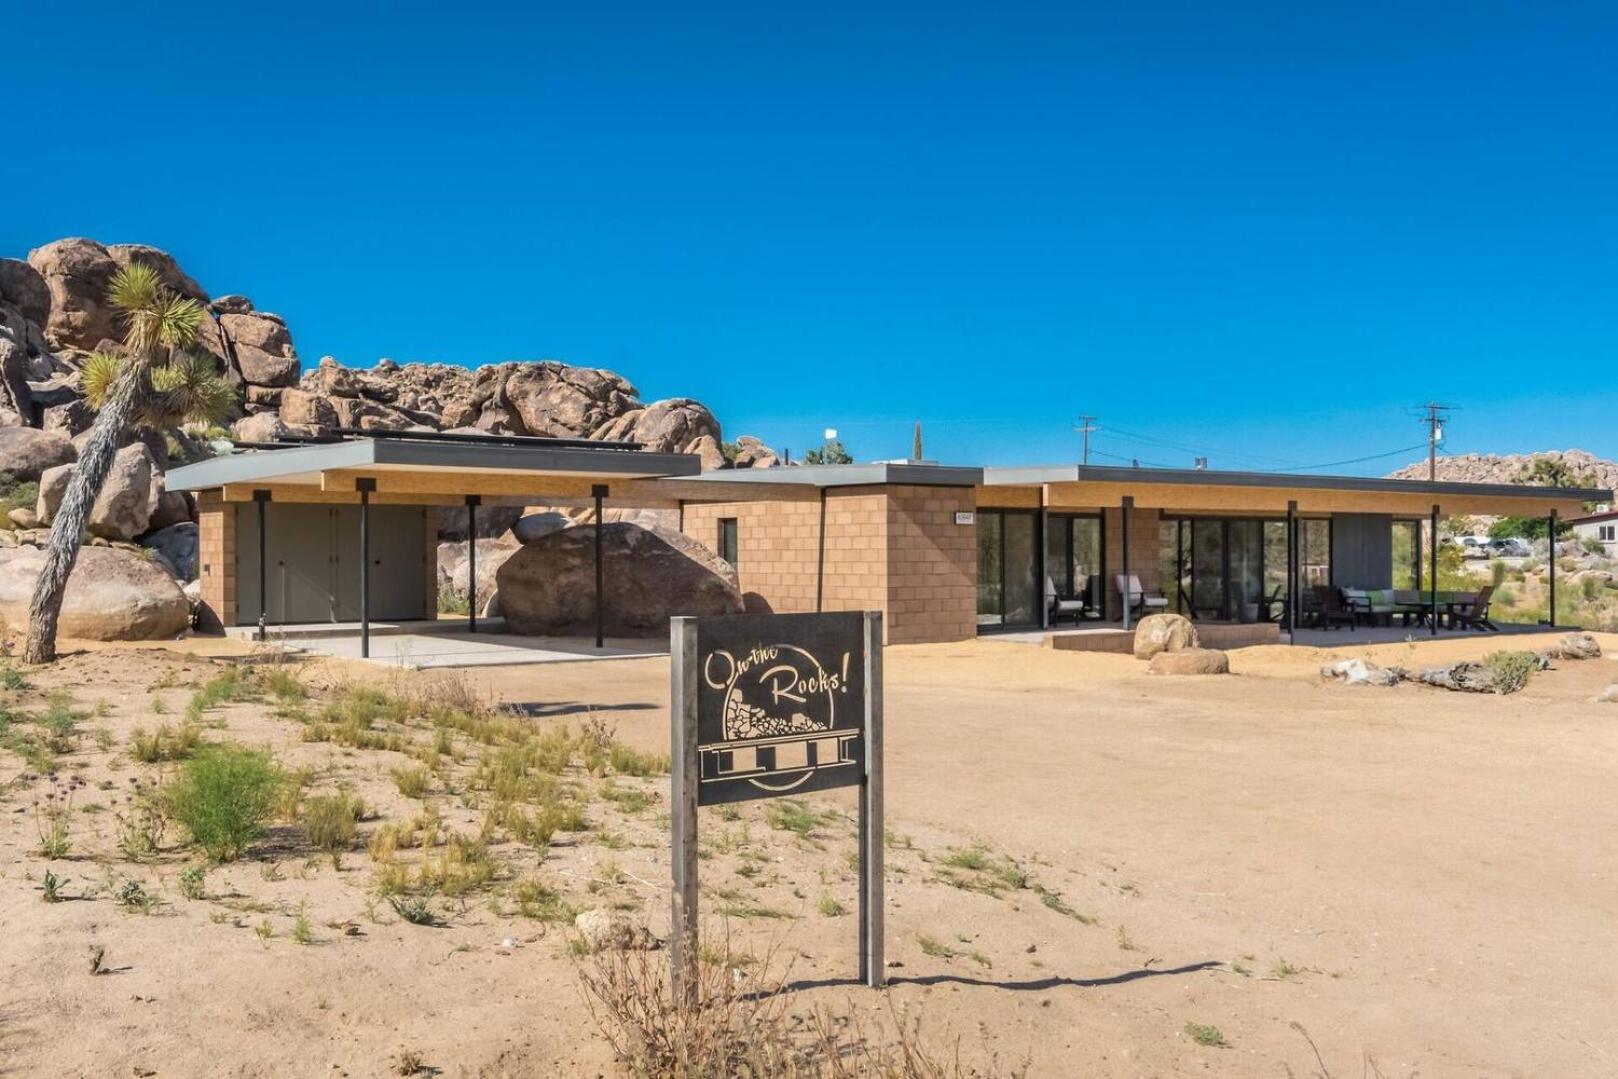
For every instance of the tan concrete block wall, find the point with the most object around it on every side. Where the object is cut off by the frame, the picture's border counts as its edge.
(896, 550)
(932, 565)
(216, 557)
(1143, 552)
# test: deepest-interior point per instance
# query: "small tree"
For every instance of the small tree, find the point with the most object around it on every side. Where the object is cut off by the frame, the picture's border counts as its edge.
(832, 453)
(157, 382)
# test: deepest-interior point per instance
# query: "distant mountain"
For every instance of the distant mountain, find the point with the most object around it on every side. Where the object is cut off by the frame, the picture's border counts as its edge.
(1510, 467)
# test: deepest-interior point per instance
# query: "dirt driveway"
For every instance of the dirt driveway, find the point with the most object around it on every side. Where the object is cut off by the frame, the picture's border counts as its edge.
(1422, 877)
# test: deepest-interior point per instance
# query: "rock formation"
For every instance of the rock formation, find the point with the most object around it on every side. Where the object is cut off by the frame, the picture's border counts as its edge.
(548, 586)
(54, 314)
(1508, 468)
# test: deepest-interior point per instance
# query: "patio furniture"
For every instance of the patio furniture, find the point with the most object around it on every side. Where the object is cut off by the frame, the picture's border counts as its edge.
(1374, 607)
(1330, 611)
(1137, 599)
(1473, 614)
(1072, 606)
(1411, 605)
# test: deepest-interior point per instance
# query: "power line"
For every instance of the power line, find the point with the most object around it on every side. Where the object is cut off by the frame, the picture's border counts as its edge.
(1088, 426)
(1353, 460)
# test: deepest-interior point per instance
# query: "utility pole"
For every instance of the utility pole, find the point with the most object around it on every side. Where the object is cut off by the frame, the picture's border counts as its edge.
(915, 446)
(1087, 426)
(1436, 415)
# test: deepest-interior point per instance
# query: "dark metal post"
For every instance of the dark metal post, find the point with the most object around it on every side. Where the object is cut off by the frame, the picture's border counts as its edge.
(683, 804)
(472, 503)
(1043, 539)
(1292, 572)
(1552, 568)
(820, 556)
(1123, 536)
(873, 969)
(599, 492)
(1432, 583)
(365, 486)
(262, 498)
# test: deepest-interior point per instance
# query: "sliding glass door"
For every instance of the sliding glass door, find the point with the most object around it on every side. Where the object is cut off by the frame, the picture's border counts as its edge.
(1009, 589)
(1235, 569)
(1073, 558)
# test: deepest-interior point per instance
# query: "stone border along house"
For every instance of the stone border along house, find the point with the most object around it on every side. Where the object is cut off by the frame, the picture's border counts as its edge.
(944, 552)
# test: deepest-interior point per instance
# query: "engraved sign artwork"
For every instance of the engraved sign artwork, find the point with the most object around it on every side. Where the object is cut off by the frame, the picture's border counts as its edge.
(780, 705)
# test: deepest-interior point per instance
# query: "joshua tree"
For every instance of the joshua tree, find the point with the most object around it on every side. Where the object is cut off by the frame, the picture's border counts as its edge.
(157, 382)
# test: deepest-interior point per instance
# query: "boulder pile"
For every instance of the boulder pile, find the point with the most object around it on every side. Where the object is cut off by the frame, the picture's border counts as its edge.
(54, 314)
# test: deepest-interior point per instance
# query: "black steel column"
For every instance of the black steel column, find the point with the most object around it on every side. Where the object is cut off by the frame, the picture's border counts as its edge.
(1123, 537)
(1292, 573)
(1044, 567)
(599, 492)
(1553, 568)
(472, 503)
(365, 486)
(1432, 583)
(263, 500)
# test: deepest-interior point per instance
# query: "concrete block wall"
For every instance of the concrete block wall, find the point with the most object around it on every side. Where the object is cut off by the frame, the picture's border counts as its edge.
(932, 565)
(216, 559)
(1144, 551)
(893, 549)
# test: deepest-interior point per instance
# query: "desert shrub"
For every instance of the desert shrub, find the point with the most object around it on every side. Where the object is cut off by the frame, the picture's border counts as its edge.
(1590, 587)
(631, 762)
(1497, 572)
(193, 882)
(230, 684)
(15, 495)
(742, 1026)
(164, 743)
(330, 821)
(1592, 545)
(412, 782)
(1511, 670)
(223, 796)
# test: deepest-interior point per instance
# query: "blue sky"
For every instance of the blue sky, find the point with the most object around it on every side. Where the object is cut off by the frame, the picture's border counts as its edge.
(1256, 232)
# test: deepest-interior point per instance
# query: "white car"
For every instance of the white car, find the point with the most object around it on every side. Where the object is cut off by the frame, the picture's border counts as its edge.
(1473, 546)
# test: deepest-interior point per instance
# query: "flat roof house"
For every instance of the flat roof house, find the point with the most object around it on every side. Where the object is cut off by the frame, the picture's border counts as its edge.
(946, 552)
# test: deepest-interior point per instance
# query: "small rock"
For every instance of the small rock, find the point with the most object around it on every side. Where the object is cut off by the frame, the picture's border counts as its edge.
(1190, 661)
(605, 930)
(1360, 672)
(1609, 695)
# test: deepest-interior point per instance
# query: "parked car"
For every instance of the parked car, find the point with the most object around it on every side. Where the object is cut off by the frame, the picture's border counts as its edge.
(1473, 546)
(1510, 547)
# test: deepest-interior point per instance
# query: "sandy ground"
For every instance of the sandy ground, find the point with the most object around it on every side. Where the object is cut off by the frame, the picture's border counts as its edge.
(1418, 879)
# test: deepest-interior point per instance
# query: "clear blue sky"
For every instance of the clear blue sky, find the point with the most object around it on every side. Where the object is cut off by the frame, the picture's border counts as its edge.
(1263, 232)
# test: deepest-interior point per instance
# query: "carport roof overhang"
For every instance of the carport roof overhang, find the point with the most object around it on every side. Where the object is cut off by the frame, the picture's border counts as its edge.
(1208, 491)
(423, 472)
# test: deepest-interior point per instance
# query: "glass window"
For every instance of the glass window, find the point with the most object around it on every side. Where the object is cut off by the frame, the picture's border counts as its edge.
(1314, 551)
(991, 571)
(727, 540)
(1407, 554)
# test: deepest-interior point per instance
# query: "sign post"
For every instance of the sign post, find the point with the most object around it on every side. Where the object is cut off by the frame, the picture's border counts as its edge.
(765, 706)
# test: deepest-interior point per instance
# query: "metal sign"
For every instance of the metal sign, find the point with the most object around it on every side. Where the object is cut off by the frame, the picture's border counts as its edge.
(766, 706)
(780, 705)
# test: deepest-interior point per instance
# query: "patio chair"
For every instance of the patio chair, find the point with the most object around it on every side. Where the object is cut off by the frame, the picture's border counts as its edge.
(1137, 599)
(1330, 610)
(1474, 614)
(1059, 605)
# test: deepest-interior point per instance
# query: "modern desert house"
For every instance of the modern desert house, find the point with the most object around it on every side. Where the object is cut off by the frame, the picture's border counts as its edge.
(345, 529)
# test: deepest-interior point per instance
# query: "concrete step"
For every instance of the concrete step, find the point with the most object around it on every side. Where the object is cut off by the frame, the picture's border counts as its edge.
(304, 630)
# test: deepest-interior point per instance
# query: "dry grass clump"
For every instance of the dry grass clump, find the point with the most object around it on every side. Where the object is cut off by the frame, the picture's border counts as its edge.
(165, 743)
(331, 821)
(737, 1022)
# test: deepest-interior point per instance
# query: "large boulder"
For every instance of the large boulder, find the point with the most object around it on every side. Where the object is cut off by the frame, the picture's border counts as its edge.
(548, 586)
(455, 566)
(263, 347)
(264, 427)
(25, 453)
(493, 520)
(1190, 661)
(22, 286)
(175, 548)
(112, 595)
(124, 507)
(535, 525)
(303, 409)
(750, 452)
(557, 401)
(1574, 646)
(677, 425)
(1164, 633)
(77, 272)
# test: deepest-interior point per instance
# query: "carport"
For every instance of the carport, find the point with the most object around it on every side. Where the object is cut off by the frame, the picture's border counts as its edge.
(343, 528)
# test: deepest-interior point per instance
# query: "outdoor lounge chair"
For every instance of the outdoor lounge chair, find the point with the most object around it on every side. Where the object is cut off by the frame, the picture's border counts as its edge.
(1330, 611)
(1474, 614)
(1137, 599)
(1058, 605)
